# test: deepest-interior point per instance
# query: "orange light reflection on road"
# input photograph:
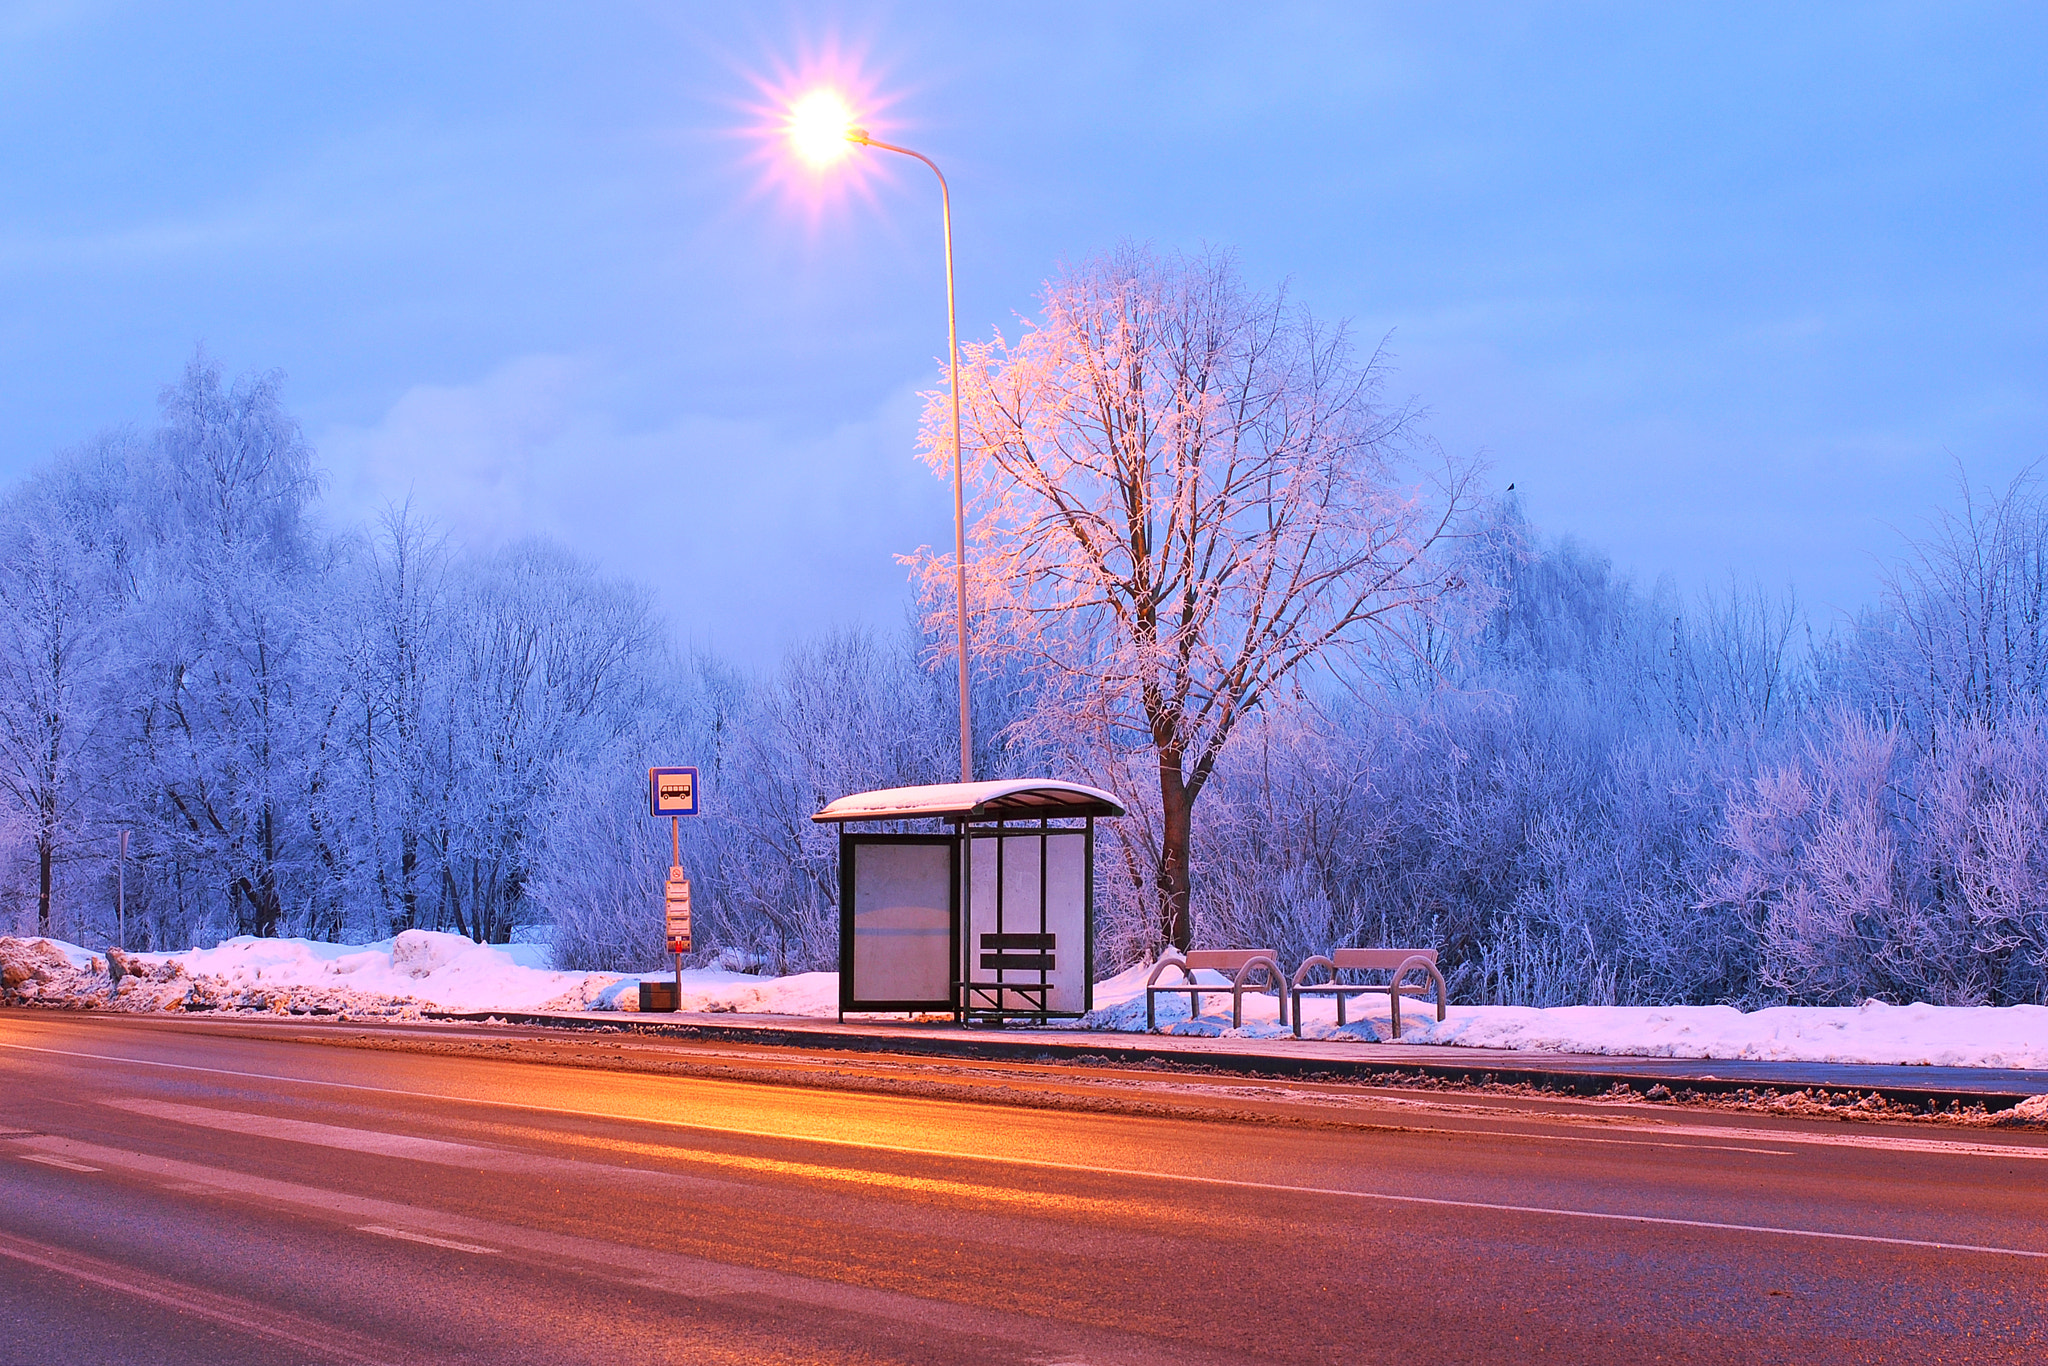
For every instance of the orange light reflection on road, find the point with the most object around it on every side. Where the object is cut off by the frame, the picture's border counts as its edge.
(940, 1188)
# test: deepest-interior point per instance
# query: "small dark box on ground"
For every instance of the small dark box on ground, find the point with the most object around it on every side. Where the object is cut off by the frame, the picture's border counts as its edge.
(658, 996)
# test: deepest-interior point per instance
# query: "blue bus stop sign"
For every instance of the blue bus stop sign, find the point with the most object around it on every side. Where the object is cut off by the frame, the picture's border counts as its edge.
(672, 791)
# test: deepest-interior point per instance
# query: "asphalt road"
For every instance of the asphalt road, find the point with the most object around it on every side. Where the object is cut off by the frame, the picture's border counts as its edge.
(193, 1191)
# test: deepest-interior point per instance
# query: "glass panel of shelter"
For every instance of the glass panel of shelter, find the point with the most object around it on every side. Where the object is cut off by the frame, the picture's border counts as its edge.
(1026, 947)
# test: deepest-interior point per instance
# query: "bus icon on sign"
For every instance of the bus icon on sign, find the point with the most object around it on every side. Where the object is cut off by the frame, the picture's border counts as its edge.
(672, 791)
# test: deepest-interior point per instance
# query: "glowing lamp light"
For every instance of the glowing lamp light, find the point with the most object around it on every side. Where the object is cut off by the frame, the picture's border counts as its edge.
(821, 128)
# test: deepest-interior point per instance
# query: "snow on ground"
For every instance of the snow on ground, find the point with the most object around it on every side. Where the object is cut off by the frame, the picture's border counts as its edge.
(1919, 1034)
(417, 970)
(421, 970)
(710, 989)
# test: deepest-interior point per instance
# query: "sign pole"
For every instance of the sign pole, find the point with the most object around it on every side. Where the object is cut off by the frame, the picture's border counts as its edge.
(672, 792)
(675, 837)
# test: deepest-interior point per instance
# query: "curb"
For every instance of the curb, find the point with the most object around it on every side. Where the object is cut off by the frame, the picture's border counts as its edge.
(1598, 1075)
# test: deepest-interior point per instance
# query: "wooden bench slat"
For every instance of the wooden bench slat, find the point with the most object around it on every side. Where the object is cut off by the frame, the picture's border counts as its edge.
(1379, 958)
(1225, 960)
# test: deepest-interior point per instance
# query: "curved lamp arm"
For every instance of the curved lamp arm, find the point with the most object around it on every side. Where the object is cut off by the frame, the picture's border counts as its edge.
(860, 136)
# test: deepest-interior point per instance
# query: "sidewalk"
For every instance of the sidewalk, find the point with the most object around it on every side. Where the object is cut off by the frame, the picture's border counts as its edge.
(1994, 1088)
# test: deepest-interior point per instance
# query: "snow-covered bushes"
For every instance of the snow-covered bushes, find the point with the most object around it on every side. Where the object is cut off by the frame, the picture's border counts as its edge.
(1868, 869)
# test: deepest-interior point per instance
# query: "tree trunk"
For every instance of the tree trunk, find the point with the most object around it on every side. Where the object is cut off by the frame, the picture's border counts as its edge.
(1175, 884)
(44, 861)
(266, 908)
(408, 874)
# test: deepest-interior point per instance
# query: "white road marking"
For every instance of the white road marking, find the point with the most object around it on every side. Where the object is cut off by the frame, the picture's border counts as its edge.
(48, 1160)
(382, 1232)
(438, 1150)
(319, 1341)
(1883, 1143)
(1043, 1164)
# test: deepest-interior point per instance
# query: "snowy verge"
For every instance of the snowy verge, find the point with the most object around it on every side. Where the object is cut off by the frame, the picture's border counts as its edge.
(422, 970)
(417, 971)
(1872, 1033)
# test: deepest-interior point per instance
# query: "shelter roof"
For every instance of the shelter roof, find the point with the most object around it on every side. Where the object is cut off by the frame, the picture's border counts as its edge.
(1005, 799)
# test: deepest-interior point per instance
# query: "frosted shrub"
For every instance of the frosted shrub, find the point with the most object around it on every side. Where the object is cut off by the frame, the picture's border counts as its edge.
(1870, 870)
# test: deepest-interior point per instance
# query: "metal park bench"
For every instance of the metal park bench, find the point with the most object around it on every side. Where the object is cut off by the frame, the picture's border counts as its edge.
(1399, 962)
(1237, 967)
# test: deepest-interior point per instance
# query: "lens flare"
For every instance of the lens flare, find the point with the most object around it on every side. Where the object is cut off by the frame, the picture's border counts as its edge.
(819, 124)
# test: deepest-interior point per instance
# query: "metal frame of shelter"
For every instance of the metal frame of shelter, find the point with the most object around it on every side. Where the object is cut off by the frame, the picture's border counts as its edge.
(982, 920)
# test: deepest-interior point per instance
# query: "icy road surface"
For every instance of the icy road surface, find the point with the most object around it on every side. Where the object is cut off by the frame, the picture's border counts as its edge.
(203, 1190)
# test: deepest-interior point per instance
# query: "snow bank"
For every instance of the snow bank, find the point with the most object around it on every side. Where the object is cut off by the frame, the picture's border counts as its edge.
(444, 971)
(416, 971)
(422, 970)
(419, 969)
(720, 992)
(1914, 1035)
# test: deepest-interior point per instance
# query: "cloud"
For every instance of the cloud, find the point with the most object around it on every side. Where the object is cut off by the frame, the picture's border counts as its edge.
(469, 453)
(753, 534)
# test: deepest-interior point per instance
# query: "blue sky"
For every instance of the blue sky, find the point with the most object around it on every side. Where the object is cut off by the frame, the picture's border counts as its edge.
(1721, 289)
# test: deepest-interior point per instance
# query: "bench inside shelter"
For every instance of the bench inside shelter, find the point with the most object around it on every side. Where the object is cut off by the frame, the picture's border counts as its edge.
(1014, 970)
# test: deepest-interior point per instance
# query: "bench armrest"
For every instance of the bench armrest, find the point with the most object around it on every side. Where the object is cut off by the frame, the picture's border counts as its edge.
(1170, 959)
(1241, 978)
(1318, 961)
(1424, 964)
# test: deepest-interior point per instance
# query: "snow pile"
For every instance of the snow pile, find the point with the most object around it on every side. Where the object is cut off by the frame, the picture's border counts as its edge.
(416, 971)
(718, 991)
(1120, 1006)
(31, 969)
(422, 970)
(422, 967)
(1874, 1033)
(419, 969)
(1914, 1035)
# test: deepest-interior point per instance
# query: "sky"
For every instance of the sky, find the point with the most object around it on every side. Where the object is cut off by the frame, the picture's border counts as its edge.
(1730, 290)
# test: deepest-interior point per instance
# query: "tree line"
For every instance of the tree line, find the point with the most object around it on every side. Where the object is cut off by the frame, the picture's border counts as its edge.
(1580, 788)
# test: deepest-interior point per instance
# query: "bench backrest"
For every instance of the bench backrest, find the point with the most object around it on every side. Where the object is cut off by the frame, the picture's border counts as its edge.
(1226, 960)
(1384, 959)
(1018, 952)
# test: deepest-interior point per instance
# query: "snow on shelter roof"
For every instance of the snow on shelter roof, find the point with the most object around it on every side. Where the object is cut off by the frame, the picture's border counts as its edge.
(1008, 799)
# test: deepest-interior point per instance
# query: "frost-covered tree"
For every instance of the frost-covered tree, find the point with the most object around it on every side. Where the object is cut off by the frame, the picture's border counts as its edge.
(392, 640)
(57, 569)
(220, 628)
(547, 666)
(1188, 495)
(1963, 630)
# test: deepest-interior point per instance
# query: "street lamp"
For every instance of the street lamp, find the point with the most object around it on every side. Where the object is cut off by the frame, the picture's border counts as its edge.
(822, 128)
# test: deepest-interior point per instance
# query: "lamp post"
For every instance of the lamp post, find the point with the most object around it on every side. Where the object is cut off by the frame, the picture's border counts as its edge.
(822, 130)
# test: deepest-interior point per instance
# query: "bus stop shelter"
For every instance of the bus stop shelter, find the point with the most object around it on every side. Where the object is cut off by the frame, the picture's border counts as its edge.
(989, 918)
